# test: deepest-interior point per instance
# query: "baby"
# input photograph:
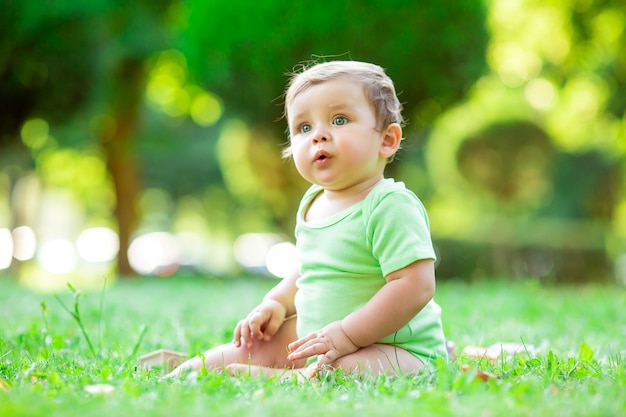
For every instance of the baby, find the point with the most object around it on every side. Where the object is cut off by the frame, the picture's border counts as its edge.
(362, 297)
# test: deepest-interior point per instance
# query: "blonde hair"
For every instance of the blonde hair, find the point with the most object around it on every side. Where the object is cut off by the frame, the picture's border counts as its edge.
(378, 87)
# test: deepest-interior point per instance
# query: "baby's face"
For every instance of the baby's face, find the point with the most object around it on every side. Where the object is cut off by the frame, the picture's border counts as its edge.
(333, 135)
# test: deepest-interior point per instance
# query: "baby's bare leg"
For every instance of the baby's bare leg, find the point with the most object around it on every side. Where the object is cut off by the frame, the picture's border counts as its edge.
(374, 359)
(271, 354)
(380, 358)
(265, 371)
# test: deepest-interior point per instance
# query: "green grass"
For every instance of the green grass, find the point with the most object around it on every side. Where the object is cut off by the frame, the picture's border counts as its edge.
(576, 369)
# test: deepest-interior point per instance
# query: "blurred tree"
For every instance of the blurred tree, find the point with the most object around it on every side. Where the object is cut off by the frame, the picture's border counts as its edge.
(242, 51)
(47, 70)
(76, 60)
(534, 159)
(47, 64)
(497, 160)
(59, 58)
(134, 32)
(543, 85)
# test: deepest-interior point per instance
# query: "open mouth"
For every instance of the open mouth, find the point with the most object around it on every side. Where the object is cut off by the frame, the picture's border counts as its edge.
(321, 156)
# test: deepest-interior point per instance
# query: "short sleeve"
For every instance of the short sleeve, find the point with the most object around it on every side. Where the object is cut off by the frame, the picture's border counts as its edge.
(398, 230)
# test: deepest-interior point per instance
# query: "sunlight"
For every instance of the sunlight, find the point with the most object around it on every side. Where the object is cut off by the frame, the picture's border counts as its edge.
(98, 244)
(167, 77)
(35, 133)
(6, 248)
(161, 89)
(24, 242)
(178, 105)
(169, 91)
(281, 259)
(540, 93)
(82, 173)
(584, 96)
(232, 145)
(206, 109)
(154, 253)
(608, 26)
(57, 256)
(514, 64)
(251, 249)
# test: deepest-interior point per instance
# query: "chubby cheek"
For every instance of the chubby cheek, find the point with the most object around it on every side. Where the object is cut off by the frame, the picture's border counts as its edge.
(299, 161)
(302, 164)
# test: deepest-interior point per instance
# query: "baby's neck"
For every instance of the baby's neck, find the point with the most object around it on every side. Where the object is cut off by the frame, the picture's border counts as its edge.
(330, 202)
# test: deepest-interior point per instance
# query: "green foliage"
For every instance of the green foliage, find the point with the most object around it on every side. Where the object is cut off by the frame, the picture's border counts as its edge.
(496, 160)
(55, 58)
(515, 140)
(242, 50)
(600, 33)
(40, 47)
(576, 369)
(75, 314)
(526, 167)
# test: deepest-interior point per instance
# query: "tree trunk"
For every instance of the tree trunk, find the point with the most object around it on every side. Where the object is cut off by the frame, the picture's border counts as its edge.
(125, 101)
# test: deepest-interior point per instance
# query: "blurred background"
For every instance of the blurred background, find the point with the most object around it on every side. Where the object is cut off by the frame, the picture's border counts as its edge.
(145, 137)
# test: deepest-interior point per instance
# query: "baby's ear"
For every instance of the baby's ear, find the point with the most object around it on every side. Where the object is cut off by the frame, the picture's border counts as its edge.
(392, 136)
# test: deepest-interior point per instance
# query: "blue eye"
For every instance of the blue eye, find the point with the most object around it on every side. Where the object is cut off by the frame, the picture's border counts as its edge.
(340, 121)
(305, 128)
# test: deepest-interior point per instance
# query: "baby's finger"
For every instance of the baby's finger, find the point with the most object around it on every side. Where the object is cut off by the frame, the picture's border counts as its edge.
(306, 345)
(307, 350)
(245, 333)
(256, 322)
(271, 327)
(237, 334)
(295, 345)
(327, 358)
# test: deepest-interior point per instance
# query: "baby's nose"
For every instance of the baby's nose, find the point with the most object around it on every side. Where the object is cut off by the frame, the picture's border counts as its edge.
(320, 136)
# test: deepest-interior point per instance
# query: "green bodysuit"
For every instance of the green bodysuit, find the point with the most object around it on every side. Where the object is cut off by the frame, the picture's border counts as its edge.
(345, 258)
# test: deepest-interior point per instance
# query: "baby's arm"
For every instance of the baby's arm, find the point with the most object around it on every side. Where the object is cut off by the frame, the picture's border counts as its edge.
(265, 319)
(404, 295)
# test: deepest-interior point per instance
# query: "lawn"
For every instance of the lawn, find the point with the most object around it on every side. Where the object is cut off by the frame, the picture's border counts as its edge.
(574, 364)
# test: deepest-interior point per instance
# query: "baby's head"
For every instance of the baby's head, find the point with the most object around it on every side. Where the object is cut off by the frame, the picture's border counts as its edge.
(377, 85)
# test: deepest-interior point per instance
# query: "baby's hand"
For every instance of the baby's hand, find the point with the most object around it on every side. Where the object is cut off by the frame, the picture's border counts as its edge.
(261, 324)
(330, 344)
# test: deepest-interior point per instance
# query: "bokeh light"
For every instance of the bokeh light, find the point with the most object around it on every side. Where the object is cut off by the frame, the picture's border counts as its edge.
(251, 249)
(540, 93)
(154, 253)
(35, 133)
(281, 259)
(57, 256)
(24, 243)
(168, 91)
(265, 253)
(6, 248)
(206, 109)
(98, 244)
